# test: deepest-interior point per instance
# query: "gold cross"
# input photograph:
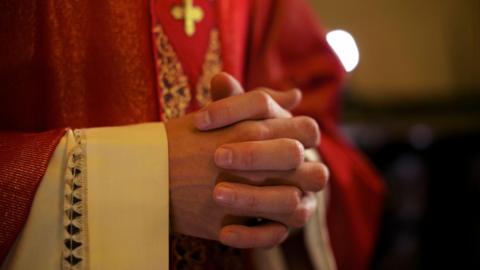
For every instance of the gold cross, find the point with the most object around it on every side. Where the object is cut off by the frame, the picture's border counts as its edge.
(190, 14)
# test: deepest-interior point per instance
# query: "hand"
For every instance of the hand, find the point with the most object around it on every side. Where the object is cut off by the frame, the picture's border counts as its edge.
(262, 201)
(193, 173)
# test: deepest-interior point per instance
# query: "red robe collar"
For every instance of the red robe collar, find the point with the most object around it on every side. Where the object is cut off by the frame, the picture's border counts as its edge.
(190, 50)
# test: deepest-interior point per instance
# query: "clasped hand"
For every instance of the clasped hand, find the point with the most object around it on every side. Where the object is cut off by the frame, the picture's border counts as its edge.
(242, 157)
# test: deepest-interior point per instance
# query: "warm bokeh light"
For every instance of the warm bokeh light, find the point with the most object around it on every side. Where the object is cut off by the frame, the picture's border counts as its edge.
(345, 47)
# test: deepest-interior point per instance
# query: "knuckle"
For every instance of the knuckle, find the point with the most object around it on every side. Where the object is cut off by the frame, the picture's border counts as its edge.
(242, 131)
(257, 131)
(310, 128)
(251, 202)
(292, 201)
(295, 150)
(320, 174)
(221, 112)
(248, 157)
(301, 217)
(265, 102)
(264, 131)
(239, 132)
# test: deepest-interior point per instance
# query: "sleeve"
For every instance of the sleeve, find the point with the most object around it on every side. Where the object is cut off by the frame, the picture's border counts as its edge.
(24, 159)
(289, 49)
(102, 204)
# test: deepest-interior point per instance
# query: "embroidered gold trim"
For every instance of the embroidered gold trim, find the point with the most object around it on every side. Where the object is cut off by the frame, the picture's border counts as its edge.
(75, 208)
(171, 79)
(173, 82)
(211, 66)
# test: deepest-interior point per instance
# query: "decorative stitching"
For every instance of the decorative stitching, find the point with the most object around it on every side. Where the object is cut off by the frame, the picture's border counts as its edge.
(171, 79)
(75, 207)
(211, 66)
(190, 253)
(174, 83)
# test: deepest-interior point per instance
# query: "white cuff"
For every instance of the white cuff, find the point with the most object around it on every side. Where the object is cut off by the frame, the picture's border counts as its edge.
(128, 222)
(124, 194)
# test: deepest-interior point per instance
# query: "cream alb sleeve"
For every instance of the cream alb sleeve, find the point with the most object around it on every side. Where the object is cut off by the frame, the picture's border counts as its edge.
(103, 203)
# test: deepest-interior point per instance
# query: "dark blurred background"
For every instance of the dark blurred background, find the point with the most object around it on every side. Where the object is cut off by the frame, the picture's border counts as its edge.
(413, 106)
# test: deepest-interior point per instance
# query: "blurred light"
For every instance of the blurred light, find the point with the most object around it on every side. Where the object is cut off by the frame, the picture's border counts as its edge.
(345, 47)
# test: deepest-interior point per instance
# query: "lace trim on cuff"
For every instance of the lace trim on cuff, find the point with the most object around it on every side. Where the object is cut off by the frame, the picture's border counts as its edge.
(74, 254)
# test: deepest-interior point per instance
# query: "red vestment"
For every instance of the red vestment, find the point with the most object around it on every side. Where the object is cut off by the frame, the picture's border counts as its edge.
(91, 63)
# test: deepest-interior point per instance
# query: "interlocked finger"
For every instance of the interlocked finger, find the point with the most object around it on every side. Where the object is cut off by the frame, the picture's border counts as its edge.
(261, 236)
(308, 177)
(277, 154)
(301, 128)
(285, 204)
(249, 106)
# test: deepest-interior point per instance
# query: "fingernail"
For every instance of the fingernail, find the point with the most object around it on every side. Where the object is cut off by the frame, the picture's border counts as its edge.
(202, 120)
(223, 157)
(225, 195)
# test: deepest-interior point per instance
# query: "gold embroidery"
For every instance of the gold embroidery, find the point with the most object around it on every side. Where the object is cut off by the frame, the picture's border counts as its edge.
(195, 254)
(190, 14)
(211, 66)
(171, 79)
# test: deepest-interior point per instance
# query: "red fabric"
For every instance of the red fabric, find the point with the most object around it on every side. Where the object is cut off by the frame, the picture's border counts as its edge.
(82, 63)
(233, 20)
(90, 63)
(288, 49)
(23, 161)
(190, 50)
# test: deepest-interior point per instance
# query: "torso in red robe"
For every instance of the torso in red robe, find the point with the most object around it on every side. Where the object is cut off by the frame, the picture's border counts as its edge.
(93, 63)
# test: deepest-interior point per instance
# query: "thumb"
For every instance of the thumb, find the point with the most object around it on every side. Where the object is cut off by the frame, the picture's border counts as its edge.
(224, 85)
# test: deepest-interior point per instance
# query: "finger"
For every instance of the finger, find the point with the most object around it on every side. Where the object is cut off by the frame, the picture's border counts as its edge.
(301, 128)
(284, 204)
(250, 106)
(302, 214)
(261, 236)
(224, 85)
(277, 154)
(309, 176)
(287, 99)
(246, 200)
